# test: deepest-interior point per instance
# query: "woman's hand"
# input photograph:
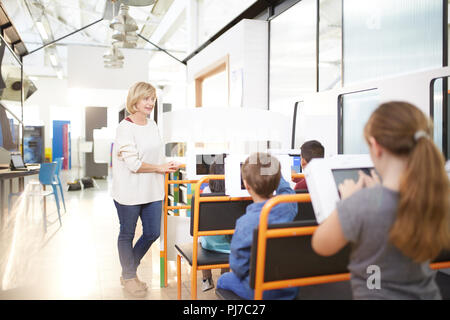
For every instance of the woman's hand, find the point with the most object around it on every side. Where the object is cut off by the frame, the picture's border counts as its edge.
(175, 164)
(167, 167)
(171, 166)
(349, 187)
(370, 181)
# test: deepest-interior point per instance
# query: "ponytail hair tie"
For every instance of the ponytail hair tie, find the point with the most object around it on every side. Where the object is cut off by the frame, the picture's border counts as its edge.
(420, 134)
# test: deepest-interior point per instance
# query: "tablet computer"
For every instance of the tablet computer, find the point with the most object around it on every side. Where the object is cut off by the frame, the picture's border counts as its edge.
(323, 176)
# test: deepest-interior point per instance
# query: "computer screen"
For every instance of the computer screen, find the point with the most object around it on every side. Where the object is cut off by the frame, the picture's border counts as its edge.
(242, 180)
(204, 161)
(17, 161)
(296, 163)
(340, 175)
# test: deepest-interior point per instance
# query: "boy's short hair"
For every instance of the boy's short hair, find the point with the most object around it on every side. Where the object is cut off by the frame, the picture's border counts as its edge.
(312, 149)
(137, 92)
(262, 173)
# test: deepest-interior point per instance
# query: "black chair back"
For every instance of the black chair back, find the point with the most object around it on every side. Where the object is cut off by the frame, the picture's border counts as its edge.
(293, 257)
(305, 210)
(217, 215)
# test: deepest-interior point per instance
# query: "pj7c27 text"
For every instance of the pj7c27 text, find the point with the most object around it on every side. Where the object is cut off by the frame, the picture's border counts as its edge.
(237, 309)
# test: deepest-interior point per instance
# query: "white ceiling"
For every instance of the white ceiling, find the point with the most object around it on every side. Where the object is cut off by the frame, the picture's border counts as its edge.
(178, 26)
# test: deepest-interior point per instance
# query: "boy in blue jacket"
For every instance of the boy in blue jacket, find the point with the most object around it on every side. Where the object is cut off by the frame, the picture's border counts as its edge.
(261, 176)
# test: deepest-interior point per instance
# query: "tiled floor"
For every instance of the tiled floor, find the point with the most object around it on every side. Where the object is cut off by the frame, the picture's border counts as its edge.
(80, 259)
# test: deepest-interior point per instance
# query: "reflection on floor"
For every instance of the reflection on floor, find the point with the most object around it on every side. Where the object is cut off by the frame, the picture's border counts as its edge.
(80, 259)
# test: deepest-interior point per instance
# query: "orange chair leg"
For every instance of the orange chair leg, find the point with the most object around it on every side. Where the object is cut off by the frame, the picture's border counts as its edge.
(179, 276)
(194, 283)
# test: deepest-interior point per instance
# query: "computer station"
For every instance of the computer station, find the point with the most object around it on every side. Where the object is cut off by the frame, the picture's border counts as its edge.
(233, 151)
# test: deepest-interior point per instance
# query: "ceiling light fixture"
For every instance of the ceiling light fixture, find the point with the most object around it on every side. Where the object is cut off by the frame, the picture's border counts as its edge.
(125, 36)
(53, 59)
(59, 73)
(123, 22)
(42, 31)
(113, 58)
(124, 44)
(113, 53)
(114, 64)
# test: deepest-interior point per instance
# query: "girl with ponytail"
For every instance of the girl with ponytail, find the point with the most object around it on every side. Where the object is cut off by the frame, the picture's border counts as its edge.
(396, 226)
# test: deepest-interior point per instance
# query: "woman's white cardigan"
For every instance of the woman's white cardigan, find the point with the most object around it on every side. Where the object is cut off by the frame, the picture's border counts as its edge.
(133, 145)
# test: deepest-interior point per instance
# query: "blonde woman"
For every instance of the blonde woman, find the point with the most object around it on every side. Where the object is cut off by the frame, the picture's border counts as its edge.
(138, 182)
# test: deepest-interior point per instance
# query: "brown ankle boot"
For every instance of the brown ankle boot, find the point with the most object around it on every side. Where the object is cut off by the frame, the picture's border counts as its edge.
(142, 283)
(134, 287)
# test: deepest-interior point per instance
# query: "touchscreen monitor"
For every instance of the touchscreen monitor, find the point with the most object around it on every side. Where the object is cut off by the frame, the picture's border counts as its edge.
(204, 161)
(198, 163)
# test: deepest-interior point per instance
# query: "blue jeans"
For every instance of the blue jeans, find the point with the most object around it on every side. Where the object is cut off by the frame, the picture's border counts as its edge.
(229, 281)
(150, 213)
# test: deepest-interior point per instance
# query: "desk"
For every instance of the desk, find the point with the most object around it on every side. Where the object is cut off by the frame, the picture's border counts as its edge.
(7, 174)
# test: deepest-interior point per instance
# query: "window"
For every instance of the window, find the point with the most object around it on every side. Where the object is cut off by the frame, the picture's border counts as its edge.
(439, 114)
(292, 68)
(383, 38)
(354, 111)
(330, 44)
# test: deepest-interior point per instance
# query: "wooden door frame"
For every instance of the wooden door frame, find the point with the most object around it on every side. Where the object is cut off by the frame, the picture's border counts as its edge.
(221, 65)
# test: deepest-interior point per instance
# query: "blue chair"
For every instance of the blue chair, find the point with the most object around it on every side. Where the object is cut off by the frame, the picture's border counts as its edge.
(59, 162)
(46, 178)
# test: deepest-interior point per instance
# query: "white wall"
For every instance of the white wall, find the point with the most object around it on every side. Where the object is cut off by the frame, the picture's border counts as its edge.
(247, 46)
(85, 68)
(55, 101)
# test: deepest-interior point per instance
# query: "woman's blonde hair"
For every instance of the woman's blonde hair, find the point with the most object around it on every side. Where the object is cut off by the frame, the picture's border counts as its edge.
(421, 229)
(137, 92)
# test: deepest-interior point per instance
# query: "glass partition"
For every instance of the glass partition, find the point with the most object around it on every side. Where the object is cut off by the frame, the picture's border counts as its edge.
(439, 113)
(384, 38)
(292, 62)
(354, 111)
(330, 44)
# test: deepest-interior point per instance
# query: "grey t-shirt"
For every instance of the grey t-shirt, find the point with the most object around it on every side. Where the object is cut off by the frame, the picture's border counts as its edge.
(366, 218)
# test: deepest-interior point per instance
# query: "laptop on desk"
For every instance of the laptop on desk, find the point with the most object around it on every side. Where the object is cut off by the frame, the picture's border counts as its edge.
(17, 163)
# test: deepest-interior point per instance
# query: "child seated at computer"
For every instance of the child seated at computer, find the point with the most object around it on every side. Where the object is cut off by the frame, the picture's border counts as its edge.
(219, 243)
(309, 150)
(261, 176)
(398, 226)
